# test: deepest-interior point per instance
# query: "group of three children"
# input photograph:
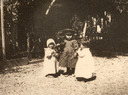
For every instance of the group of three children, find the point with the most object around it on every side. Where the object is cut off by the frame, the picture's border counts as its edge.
(76, 57)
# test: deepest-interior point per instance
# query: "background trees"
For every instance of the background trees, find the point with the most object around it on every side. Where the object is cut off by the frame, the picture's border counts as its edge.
(28, 16)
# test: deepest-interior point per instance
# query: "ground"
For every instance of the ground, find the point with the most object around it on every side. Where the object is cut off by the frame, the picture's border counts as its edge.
(112, 79)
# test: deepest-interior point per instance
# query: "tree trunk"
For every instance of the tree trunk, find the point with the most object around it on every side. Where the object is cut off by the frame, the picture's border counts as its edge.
(2, 30)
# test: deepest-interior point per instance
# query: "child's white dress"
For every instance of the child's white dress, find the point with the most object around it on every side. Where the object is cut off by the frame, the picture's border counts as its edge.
(50, 64)
(85, 64)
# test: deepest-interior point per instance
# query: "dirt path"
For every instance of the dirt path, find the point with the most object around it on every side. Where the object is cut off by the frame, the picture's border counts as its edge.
(112, 79)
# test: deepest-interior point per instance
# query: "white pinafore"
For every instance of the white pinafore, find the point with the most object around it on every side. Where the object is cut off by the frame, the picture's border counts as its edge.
(85, 64)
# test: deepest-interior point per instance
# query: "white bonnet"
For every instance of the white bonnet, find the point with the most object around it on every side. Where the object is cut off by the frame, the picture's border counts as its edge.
(49, 41)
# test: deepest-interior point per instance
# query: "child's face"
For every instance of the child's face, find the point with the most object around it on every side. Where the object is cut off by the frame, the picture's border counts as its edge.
(69, 37)
(51, 46)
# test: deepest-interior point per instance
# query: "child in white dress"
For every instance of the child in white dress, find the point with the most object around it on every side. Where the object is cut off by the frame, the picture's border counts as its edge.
(85, 63)
(50, 61)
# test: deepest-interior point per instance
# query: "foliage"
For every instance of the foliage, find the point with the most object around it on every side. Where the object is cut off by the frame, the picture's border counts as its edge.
(18, 12)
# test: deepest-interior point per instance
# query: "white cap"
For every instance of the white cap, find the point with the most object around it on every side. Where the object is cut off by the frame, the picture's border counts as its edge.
(49, 41)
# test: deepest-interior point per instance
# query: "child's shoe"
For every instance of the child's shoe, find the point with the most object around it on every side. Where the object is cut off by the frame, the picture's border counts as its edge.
(73, 75)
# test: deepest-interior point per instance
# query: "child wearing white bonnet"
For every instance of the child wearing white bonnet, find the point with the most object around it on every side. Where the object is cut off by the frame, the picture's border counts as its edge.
(50, 61)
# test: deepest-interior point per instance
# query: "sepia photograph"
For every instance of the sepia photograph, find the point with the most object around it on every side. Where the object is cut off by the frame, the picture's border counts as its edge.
(63, 47)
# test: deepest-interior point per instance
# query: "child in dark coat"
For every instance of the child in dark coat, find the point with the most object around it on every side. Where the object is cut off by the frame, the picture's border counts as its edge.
(67, 58)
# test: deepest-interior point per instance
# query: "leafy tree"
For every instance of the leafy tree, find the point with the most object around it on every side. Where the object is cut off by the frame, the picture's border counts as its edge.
(18, 19)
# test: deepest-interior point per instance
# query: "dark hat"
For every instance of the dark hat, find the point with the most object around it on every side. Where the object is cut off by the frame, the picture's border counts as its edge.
(68, 31)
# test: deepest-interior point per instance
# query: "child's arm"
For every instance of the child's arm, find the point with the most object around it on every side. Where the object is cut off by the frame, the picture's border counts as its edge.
(75, 54)
(48, 54)
(55, 54)
(75, 45)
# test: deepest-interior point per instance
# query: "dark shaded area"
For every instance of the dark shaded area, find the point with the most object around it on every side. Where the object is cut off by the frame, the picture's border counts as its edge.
(86, 80)
(12, 63)
(33, 21)
(61, 13)
(111, 48)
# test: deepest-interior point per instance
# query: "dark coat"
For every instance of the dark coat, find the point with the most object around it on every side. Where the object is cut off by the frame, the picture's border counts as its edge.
(67, 58)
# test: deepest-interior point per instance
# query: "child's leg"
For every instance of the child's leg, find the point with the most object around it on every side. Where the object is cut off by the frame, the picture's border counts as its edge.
(67, 73)
(68, 70)
(72, 70)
